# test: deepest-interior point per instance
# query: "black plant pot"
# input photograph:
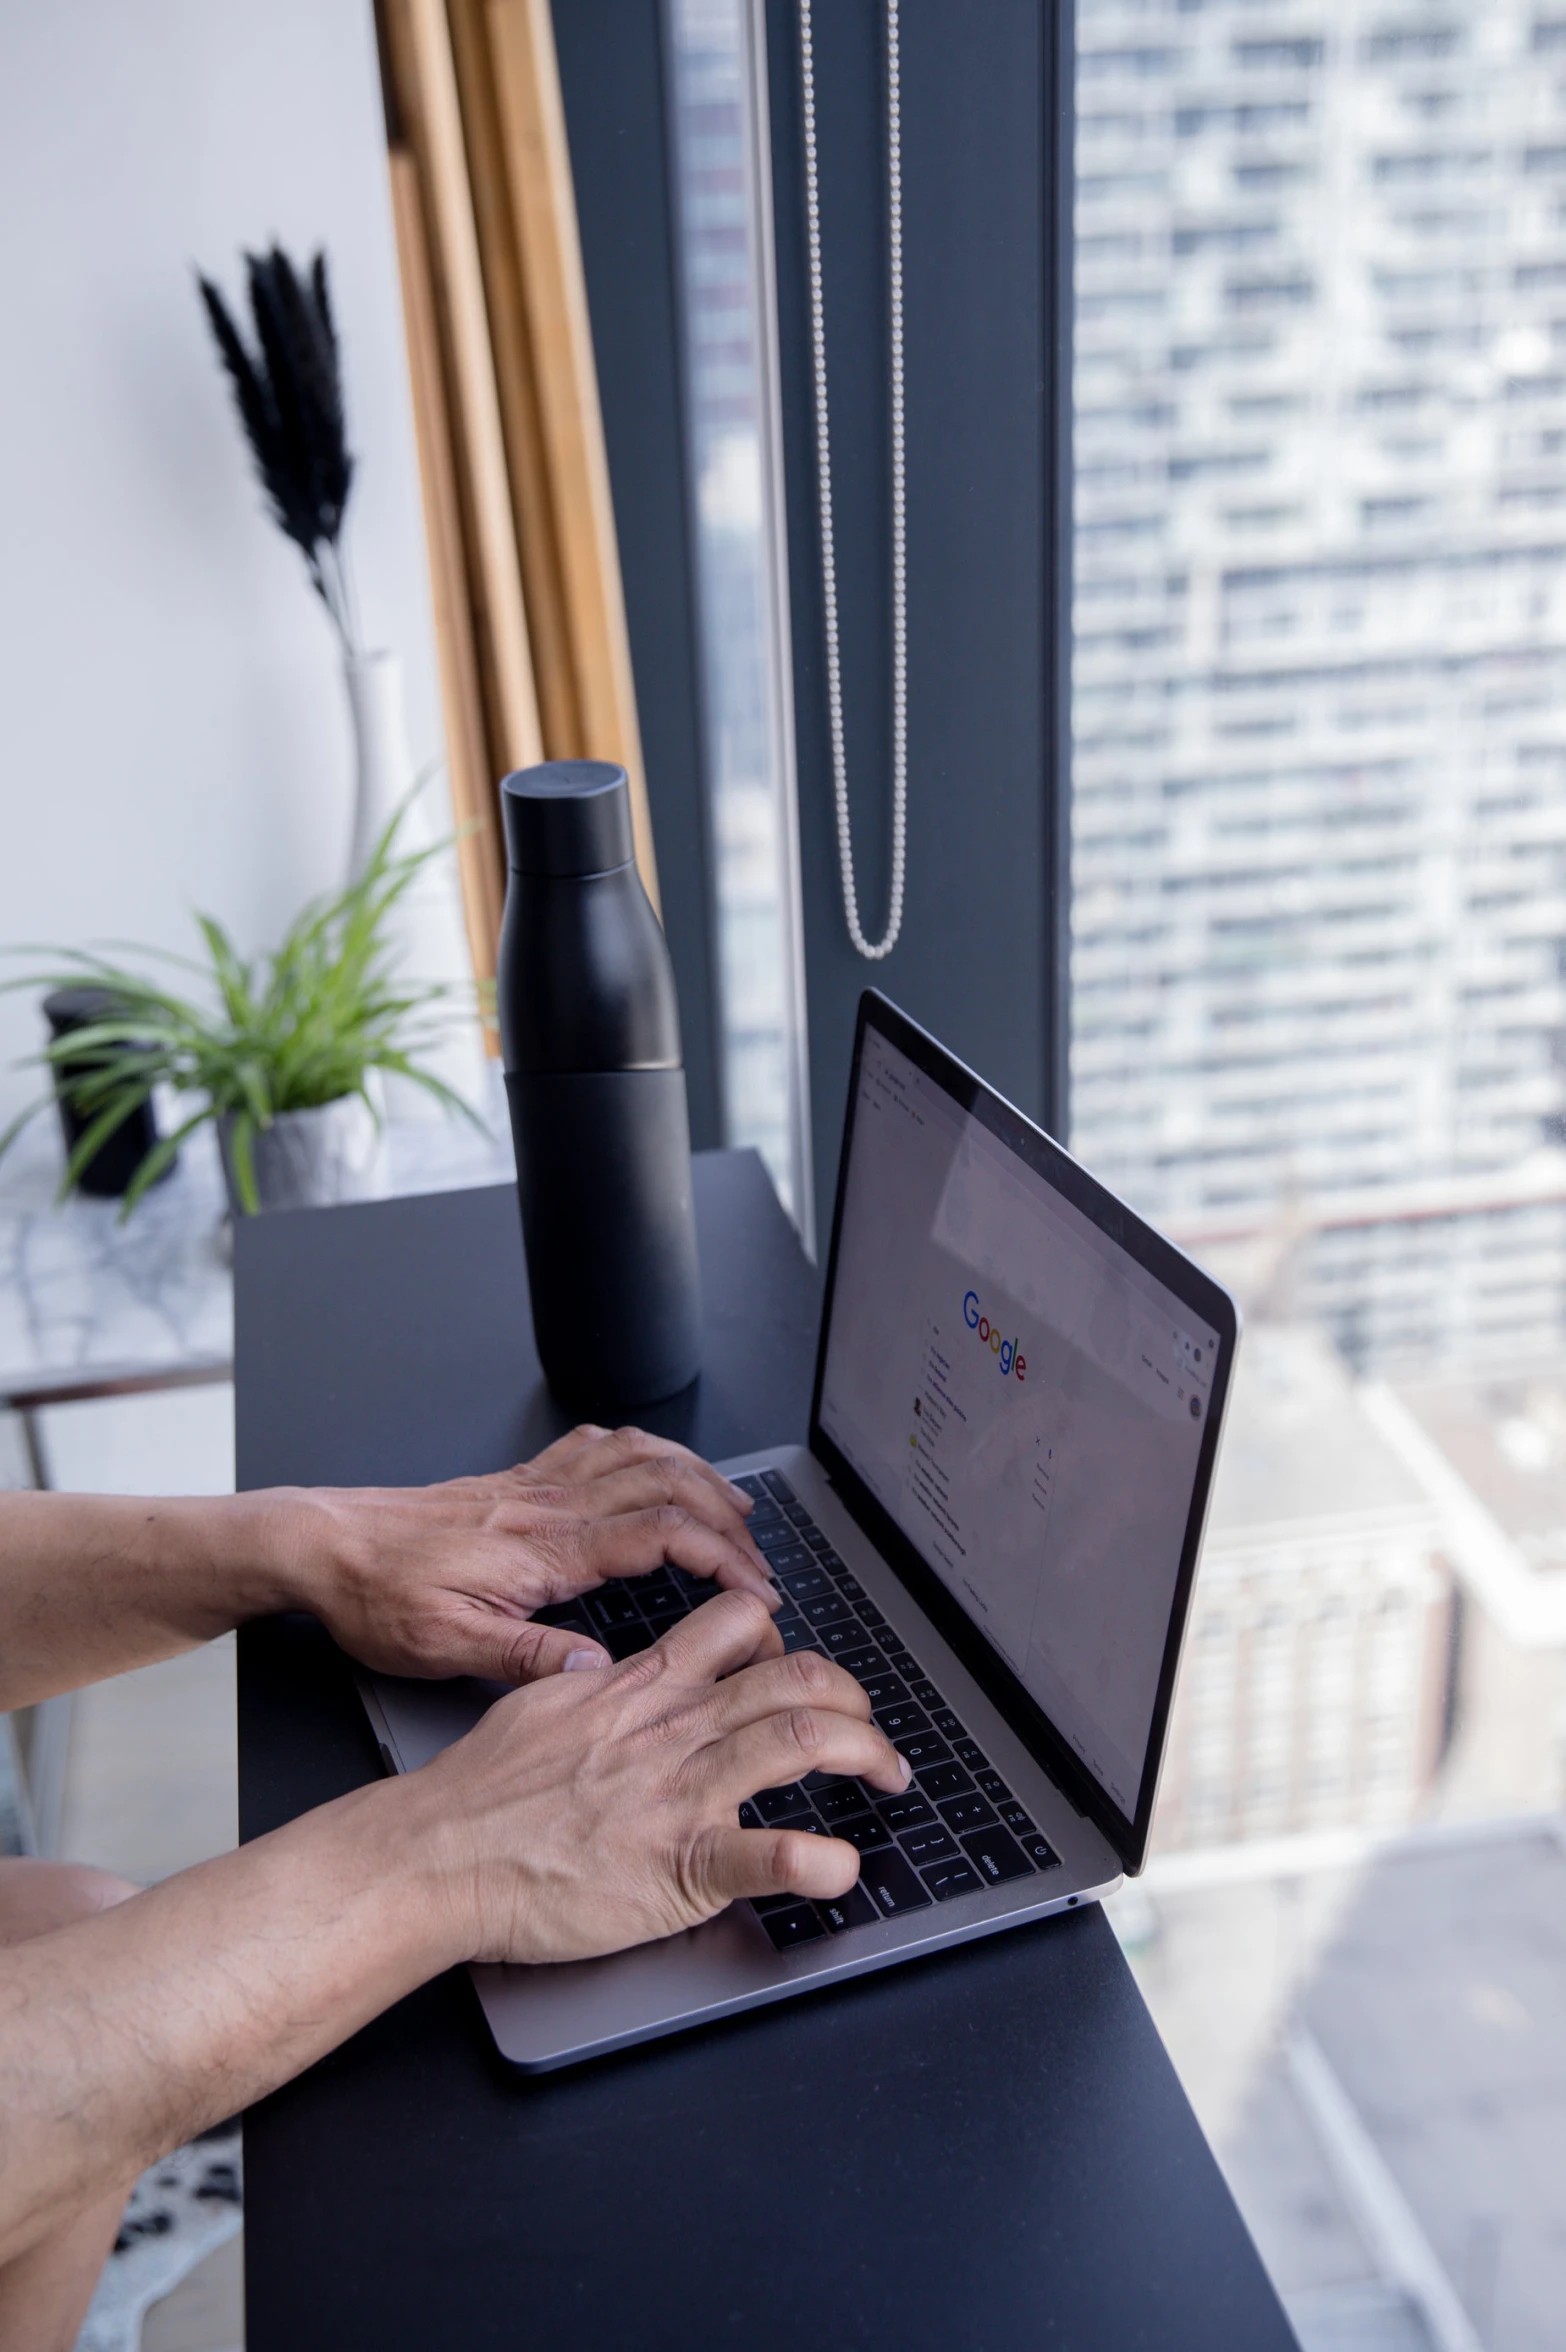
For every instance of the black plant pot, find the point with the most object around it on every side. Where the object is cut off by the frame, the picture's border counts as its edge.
(108, 1174)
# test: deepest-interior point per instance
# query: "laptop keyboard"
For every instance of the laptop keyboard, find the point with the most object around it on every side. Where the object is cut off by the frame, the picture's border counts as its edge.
(955, 1830)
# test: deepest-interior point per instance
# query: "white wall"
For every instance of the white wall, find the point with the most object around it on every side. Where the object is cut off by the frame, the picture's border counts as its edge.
(172, 727)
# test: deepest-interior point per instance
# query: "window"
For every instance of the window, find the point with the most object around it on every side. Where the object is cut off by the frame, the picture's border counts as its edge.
(1319, 996)
(730, 405)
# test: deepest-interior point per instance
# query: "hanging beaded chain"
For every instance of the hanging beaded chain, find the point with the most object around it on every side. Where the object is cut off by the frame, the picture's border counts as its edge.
(872, 950)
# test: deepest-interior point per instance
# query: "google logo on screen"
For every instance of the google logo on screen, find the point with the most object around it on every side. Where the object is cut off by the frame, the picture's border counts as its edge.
(1004, 1350)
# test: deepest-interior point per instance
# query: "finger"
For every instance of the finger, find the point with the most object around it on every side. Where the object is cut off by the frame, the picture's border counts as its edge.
(617, 1449)
(554, 1458)
(729, 1864)
(724, 1634)
(782, 1748)
(631, 1542)
(510, 1649)
(663, 1478)
(802, 1679)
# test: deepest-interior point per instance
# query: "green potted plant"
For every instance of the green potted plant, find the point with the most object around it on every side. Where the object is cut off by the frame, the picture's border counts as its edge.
(277, 1051)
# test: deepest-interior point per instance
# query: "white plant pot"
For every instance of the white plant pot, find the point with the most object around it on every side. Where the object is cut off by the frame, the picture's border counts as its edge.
(311, 1159)
(426, 928)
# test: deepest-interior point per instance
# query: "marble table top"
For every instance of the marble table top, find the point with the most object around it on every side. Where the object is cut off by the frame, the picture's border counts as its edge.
(87, 1302)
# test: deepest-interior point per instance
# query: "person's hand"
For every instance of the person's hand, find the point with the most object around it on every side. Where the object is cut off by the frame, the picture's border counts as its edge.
(442, 1580)
(593, 1811)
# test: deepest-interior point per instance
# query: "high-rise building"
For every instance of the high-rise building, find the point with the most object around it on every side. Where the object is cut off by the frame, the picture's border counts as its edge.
(1313, 1692)
(1320, 690)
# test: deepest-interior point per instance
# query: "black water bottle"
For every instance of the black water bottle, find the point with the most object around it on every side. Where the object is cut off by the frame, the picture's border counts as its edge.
(590, 1037)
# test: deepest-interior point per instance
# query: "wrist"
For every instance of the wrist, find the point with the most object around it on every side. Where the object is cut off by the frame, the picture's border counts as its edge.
(429, 1859)
(283, 1550)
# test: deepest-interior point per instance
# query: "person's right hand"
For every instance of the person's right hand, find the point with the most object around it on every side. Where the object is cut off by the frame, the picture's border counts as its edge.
(595, 1810)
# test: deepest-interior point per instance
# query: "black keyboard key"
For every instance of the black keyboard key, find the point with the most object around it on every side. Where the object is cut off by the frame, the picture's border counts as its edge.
(613, 1606)
(1014, 1815)
(776, 1484)
(806, 1584)
(922, 1749)
(952, 1878)
(626, 1641)
(904, 1663)
(799, 1515)
(930, 1845)
(871, 1615)
(749, 1817)
(850, 1585)
(784, 1558)
(901, 1717)
(816, 1540)
(947, 1724)
(833, 1563)
(837, 1803)
(825, 1609)
(996, 1855)
(655, 1580)
(797, 1635)
(1038, 1849)
(775, 1804)
(749, 1483)
(882, 1689)
(864, 1830)
(854, 1909)
(863, 1664)
(962, 1813)
(927, 1694)
(945, 1780)
(908, 1812)
(841, 1638)
(762, 1904)
(894, 1883)
(793, 1927)
(969, 1752)
(992, 1786)
(569, 1616)
(664, 1622)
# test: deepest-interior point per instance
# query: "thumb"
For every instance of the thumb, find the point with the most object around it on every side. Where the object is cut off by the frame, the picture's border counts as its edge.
(529, 1653)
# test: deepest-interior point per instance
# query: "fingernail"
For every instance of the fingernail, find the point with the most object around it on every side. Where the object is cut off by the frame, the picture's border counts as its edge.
(579, 1661)
(902, 1760)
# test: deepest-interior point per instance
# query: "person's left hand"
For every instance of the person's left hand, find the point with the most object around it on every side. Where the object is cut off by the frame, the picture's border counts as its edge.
(442, 1580)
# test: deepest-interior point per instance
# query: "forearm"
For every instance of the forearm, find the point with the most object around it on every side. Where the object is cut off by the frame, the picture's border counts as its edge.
(129, 2033)
(91, 1585)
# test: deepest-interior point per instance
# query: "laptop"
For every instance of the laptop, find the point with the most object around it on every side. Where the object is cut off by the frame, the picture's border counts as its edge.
(993, 1526)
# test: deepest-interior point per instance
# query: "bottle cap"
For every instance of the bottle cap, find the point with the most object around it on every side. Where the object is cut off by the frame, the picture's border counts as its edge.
(567, 817)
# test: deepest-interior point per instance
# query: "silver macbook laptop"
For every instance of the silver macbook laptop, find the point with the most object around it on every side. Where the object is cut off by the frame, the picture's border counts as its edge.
(994, 1527)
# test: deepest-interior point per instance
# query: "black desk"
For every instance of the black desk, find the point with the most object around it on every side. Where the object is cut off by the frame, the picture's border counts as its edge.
(984, 2150)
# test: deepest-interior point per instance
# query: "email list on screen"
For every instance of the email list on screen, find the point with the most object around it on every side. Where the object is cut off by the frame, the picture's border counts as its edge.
(1025, 1401)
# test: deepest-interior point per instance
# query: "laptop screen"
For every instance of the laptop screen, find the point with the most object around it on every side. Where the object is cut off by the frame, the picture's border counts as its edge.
(1024, 1399)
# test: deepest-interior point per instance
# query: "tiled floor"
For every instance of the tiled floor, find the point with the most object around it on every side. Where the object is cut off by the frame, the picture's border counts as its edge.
(150, 1777)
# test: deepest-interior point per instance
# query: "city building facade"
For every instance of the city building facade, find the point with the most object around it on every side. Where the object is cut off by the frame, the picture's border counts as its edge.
(1319, 897)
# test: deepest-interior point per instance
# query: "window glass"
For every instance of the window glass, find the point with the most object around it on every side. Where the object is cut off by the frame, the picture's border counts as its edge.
(1319, 1034)
(730, 409)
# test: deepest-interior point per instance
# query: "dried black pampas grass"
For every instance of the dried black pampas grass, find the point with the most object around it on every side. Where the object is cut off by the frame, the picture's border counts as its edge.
(289, 393)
